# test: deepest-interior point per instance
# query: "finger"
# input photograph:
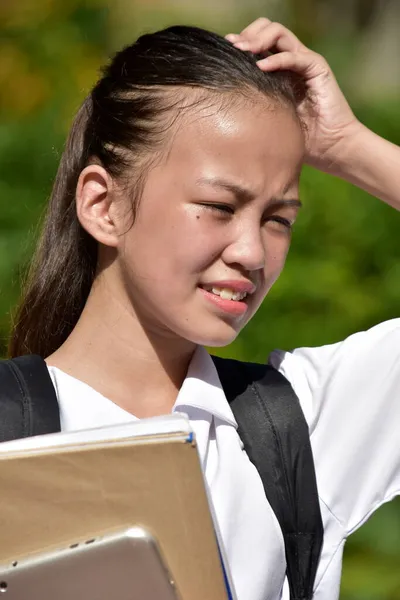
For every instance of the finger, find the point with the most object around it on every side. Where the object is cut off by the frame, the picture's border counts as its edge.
(250, 31)
(274, 36)
(255, 28)
(232, 37)
(308, 63)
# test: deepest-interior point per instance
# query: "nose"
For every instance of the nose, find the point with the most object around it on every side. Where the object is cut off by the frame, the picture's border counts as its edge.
(247, 249)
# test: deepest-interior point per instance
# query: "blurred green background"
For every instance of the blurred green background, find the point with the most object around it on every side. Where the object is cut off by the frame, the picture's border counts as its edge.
(343, 272)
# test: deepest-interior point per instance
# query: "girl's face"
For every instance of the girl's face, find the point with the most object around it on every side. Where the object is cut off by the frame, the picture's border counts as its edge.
(214, 222)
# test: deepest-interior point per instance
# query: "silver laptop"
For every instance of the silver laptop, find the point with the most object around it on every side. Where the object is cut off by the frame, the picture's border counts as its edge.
(123, 566)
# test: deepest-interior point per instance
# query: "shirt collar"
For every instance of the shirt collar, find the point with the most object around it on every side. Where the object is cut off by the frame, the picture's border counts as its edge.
(202, 388)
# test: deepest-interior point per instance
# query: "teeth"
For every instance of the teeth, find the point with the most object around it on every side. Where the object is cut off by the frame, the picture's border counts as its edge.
(238, 296)
(227, 294)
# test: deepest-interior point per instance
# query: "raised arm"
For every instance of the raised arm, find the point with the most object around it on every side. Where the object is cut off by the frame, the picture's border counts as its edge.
(337, 142)
(371, 163)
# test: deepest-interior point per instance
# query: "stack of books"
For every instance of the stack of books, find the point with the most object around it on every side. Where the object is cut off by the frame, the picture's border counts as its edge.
(107, 513)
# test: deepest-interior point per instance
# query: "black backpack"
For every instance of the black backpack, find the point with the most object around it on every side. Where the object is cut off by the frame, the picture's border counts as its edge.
(271, 426)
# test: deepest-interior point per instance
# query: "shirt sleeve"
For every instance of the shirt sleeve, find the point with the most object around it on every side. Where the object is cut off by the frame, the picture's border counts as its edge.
(350, 395)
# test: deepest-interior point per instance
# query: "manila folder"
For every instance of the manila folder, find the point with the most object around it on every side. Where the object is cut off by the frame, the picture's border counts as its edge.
(53, 498)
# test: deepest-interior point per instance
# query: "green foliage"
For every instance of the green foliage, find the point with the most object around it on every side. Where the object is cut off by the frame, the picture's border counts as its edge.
(51, 58)
(371, 566)
(342, 274)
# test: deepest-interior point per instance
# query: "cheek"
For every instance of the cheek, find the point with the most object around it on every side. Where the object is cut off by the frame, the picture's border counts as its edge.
(277, 247)
(205, 241)
(195, 241)
(171, 245)
(276, 253)
(275, 261)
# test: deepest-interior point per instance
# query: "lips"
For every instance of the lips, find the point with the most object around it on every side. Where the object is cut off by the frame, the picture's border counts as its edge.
(229, 296)
(233, 286)
(226, 293)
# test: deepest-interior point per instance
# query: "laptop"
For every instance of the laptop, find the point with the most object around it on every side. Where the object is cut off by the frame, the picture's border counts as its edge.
(126, 565)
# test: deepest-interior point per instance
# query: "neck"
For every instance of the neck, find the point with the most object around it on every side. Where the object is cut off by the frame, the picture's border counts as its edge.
(110, 350)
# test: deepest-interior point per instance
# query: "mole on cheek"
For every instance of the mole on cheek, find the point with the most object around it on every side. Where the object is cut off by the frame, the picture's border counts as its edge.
(197, 216)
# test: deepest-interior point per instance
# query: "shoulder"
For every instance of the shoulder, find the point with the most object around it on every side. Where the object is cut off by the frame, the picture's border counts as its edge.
(349, 393)
(372, 355)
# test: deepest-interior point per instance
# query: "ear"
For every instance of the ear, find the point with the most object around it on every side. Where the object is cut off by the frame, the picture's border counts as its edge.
(96, 205)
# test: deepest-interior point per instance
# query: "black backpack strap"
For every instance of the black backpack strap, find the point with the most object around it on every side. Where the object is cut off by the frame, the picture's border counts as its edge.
(273, 429)
(28, 401)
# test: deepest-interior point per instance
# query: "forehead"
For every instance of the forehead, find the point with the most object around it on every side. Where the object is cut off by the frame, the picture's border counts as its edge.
(259, 144)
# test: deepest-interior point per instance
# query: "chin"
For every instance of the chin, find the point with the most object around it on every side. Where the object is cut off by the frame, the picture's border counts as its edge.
(217, 336)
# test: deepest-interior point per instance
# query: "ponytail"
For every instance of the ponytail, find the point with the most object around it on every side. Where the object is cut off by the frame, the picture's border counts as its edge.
(63, 267)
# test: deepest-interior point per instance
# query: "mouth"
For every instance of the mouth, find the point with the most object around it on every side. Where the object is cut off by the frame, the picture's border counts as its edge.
(226, 300)
(226, 293)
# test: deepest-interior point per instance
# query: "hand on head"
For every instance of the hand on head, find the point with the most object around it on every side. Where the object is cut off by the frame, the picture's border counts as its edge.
(325, 111)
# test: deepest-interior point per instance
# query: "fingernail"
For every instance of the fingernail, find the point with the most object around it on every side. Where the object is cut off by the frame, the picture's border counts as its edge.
(231, 37)
(242, 45)
(264, 63)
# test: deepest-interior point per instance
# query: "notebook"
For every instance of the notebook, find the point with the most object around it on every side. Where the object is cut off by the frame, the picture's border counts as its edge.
(61, 488)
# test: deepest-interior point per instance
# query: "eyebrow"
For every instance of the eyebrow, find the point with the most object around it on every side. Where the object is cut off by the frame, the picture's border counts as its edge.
(244, 194)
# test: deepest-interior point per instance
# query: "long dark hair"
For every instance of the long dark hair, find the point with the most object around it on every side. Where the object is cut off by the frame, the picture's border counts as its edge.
(119, 122)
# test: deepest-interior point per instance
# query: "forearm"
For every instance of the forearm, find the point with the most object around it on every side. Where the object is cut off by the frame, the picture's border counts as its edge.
(371, 163)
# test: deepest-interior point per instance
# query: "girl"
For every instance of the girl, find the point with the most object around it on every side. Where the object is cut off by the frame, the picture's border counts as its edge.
(169, 221)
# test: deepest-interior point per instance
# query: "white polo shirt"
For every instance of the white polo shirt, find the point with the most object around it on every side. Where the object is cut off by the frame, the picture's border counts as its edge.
(350, 395)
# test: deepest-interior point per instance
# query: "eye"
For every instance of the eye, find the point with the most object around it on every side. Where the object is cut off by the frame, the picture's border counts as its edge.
(279, 223)
(221, 208)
